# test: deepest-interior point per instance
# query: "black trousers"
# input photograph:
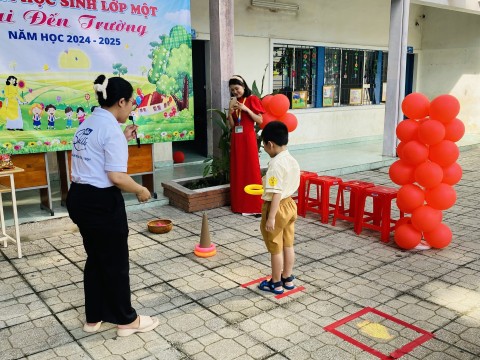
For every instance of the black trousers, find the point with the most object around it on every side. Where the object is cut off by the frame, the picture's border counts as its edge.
(100, 215)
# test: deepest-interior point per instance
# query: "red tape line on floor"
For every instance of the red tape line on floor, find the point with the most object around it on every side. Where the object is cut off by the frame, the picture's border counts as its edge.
(286, 293)
(255, 281)
(395, 354)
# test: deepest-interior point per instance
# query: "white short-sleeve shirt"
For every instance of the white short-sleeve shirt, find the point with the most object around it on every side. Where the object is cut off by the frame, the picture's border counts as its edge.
(98, 147)
(283, 176)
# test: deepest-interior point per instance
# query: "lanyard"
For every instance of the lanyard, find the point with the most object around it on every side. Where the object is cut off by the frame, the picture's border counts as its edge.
(239, 112)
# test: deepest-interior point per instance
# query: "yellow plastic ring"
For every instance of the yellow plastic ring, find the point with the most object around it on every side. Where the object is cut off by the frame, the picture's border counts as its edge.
(254, 189)
(205, 254)
(205, 250)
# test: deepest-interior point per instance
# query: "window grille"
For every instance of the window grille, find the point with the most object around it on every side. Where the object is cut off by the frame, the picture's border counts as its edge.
(333, 59)
(294, 69)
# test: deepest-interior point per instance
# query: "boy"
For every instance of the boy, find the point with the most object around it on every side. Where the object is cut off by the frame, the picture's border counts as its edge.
(279, 211)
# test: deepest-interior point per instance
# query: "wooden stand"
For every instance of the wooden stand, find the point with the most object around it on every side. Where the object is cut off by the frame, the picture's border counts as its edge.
(35, 176)
(140, 162)
(4, 189)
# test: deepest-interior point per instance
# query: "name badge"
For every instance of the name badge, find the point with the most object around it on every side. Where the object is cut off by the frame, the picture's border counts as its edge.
(238, 129)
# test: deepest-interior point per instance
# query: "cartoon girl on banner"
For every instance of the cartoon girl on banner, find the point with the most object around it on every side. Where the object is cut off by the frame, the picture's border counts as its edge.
(36, 110)
(10, 113)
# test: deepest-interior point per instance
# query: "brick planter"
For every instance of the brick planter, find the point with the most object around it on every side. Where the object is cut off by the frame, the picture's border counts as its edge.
(195, 200)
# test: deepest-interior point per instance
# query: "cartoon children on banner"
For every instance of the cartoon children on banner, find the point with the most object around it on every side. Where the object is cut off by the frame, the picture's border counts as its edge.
(36, 110)
(80, 115)
(10, 112)
(68, 115)
(50, 109)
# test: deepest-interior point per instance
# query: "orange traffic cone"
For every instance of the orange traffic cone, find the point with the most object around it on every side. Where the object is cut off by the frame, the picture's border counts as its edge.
(206, 248)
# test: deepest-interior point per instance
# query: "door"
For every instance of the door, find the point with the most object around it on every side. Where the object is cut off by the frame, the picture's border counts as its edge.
(196, 150)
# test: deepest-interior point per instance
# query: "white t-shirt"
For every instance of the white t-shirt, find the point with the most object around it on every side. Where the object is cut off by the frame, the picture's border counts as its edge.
(282, 177)
(98, 146)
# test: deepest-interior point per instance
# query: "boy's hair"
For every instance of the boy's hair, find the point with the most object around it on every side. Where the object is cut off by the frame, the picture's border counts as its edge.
(68, 109)
(238, 80)
(276, 132)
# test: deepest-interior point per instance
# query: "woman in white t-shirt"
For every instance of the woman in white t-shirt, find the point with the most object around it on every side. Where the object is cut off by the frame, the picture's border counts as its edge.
(95, 203)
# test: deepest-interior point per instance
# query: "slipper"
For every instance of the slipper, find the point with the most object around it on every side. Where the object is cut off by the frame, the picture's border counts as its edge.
(270, 286)
(91, 329)
(147, 323)
(288, 279)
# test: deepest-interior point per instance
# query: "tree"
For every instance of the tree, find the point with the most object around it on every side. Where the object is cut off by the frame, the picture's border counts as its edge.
(119, 69)
(143, 70)
(12, 65)
(171, 70)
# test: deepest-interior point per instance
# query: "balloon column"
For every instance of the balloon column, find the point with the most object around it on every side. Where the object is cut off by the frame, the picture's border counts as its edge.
(427, 169)
(276, 107)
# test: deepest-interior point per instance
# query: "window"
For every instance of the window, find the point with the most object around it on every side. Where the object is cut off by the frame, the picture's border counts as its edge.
(351, 72)
(294, 69)
(384, 76)
(332, 70)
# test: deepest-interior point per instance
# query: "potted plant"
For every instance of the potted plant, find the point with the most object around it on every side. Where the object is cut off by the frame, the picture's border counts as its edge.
(211, 190)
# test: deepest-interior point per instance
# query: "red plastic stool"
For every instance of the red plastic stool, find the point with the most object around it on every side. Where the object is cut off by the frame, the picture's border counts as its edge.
(355, 187)
(380, 218)
(300, 198)
(321, 203)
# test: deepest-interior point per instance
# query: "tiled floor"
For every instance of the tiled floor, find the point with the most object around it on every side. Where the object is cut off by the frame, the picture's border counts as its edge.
(205, 313)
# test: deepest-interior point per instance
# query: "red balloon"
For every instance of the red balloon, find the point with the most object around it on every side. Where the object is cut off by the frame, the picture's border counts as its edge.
(401, 173)
(428, 174)
(139, 91)
(279, 105)
(407, 130)
(178, 157)
(400, 146)
(445, 153)
(431, 132)
(290, 120)
(452, 174)
(410, 197)
(414, 152)
(444, 108)
(266, 101)
(441, 197)
(407, 237)
(415, 106)
(266, 118)
(440, 237)
(425, 218)
(454, 130)
(403, 220)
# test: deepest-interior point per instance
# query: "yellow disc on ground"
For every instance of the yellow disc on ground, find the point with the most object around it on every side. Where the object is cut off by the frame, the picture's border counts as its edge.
(254, 189)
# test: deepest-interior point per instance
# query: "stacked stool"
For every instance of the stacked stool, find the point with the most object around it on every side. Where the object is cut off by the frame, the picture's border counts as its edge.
(321, 203)
(380, 218)
(300, 198)
(355, 188)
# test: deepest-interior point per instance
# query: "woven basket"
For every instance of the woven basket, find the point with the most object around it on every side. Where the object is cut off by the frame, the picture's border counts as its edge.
(160, 226)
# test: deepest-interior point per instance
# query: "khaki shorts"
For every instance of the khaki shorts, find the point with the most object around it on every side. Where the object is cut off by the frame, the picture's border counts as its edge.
(283, 234)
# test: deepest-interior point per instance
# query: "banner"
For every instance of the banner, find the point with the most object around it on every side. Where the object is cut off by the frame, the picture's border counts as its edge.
(51, 51)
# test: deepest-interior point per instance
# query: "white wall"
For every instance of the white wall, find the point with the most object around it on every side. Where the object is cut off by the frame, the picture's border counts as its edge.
(342, 23)
(448, 62)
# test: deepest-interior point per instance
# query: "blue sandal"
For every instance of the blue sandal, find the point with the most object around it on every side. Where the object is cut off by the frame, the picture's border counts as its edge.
(269, 285)
(288, 279)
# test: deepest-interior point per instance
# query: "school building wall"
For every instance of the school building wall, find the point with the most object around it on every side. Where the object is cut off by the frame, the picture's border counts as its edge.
(449, 60)
(362, 24)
